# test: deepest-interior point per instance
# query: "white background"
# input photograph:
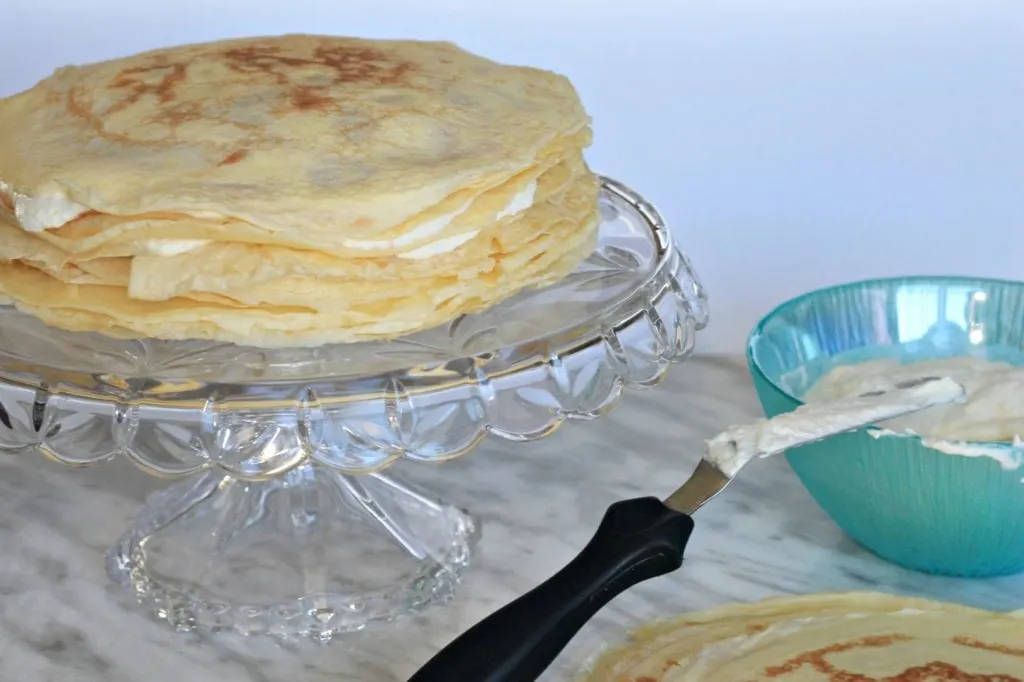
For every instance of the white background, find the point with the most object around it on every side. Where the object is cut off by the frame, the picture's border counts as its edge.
(790, 144)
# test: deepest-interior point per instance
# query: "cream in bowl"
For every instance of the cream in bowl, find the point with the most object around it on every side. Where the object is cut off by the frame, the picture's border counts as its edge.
(941, 491)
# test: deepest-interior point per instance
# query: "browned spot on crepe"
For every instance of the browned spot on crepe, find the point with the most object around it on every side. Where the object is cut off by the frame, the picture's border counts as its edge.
(160, 79)
(308, 97)
(927, 672)
(182, 112)
(234, 157)
(995, 648)
(817, 659)
(351, 64)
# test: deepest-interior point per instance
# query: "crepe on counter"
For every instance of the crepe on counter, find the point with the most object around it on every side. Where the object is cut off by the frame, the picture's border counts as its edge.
(855, 637)
(289, 191)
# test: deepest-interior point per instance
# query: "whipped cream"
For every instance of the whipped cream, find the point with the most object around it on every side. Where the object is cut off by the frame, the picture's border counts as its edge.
(1010, 456)
(171, 247)
(520, 202)
(48, 210)
(731, 450)
(988, 423)
(53, 209)
(446, 245)
(428, 228)
(424, 230)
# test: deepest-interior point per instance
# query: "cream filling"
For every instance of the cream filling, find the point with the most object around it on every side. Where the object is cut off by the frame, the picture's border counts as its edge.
(731, 450)
(43, 212)
(422, 231)
(51, 210)
(171, 247)
(446, 245)
(519, 203)
(988, 423)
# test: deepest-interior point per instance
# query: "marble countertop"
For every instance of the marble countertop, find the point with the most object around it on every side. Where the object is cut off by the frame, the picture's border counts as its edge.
(62, 620)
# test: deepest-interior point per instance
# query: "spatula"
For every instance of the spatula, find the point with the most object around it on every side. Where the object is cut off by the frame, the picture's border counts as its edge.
(643, 538)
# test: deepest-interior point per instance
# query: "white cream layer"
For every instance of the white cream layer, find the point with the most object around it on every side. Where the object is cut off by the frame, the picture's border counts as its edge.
(48, 210)
(519, 203)
(988, 423)
(731, 450)
(172, 247)
(53, 209)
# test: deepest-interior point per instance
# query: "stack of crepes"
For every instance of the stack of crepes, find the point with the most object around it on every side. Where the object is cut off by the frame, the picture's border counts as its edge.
(289, 191)
(855, 637)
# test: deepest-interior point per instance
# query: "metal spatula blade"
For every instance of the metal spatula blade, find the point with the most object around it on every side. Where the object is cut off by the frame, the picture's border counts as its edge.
(738, 446)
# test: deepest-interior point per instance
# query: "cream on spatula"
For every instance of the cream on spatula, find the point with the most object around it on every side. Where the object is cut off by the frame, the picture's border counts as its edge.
(645, 537)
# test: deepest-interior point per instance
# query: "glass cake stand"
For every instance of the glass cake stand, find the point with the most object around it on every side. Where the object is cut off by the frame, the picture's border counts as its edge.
(286, 525)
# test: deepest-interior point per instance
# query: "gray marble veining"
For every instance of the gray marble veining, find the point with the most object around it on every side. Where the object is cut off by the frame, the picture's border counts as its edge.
(61, 620)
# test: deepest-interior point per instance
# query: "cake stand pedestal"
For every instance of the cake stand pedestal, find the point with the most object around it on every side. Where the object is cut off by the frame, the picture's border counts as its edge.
(284, 449)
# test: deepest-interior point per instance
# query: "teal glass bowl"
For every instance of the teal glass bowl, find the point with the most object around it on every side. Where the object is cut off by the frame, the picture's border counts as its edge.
(908, 503)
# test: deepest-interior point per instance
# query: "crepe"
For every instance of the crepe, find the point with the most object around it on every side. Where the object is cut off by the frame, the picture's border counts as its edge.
(291, 190)
(858, 637)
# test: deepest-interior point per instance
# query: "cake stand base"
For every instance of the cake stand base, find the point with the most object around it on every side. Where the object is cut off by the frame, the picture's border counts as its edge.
(312, 553)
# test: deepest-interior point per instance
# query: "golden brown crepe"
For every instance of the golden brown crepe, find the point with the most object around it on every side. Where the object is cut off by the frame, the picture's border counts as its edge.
(291, 190)
(854, 637)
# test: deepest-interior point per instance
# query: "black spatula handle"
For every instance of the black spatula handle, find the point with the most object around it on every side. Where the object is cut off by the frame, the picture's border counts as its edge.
(637, 540)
